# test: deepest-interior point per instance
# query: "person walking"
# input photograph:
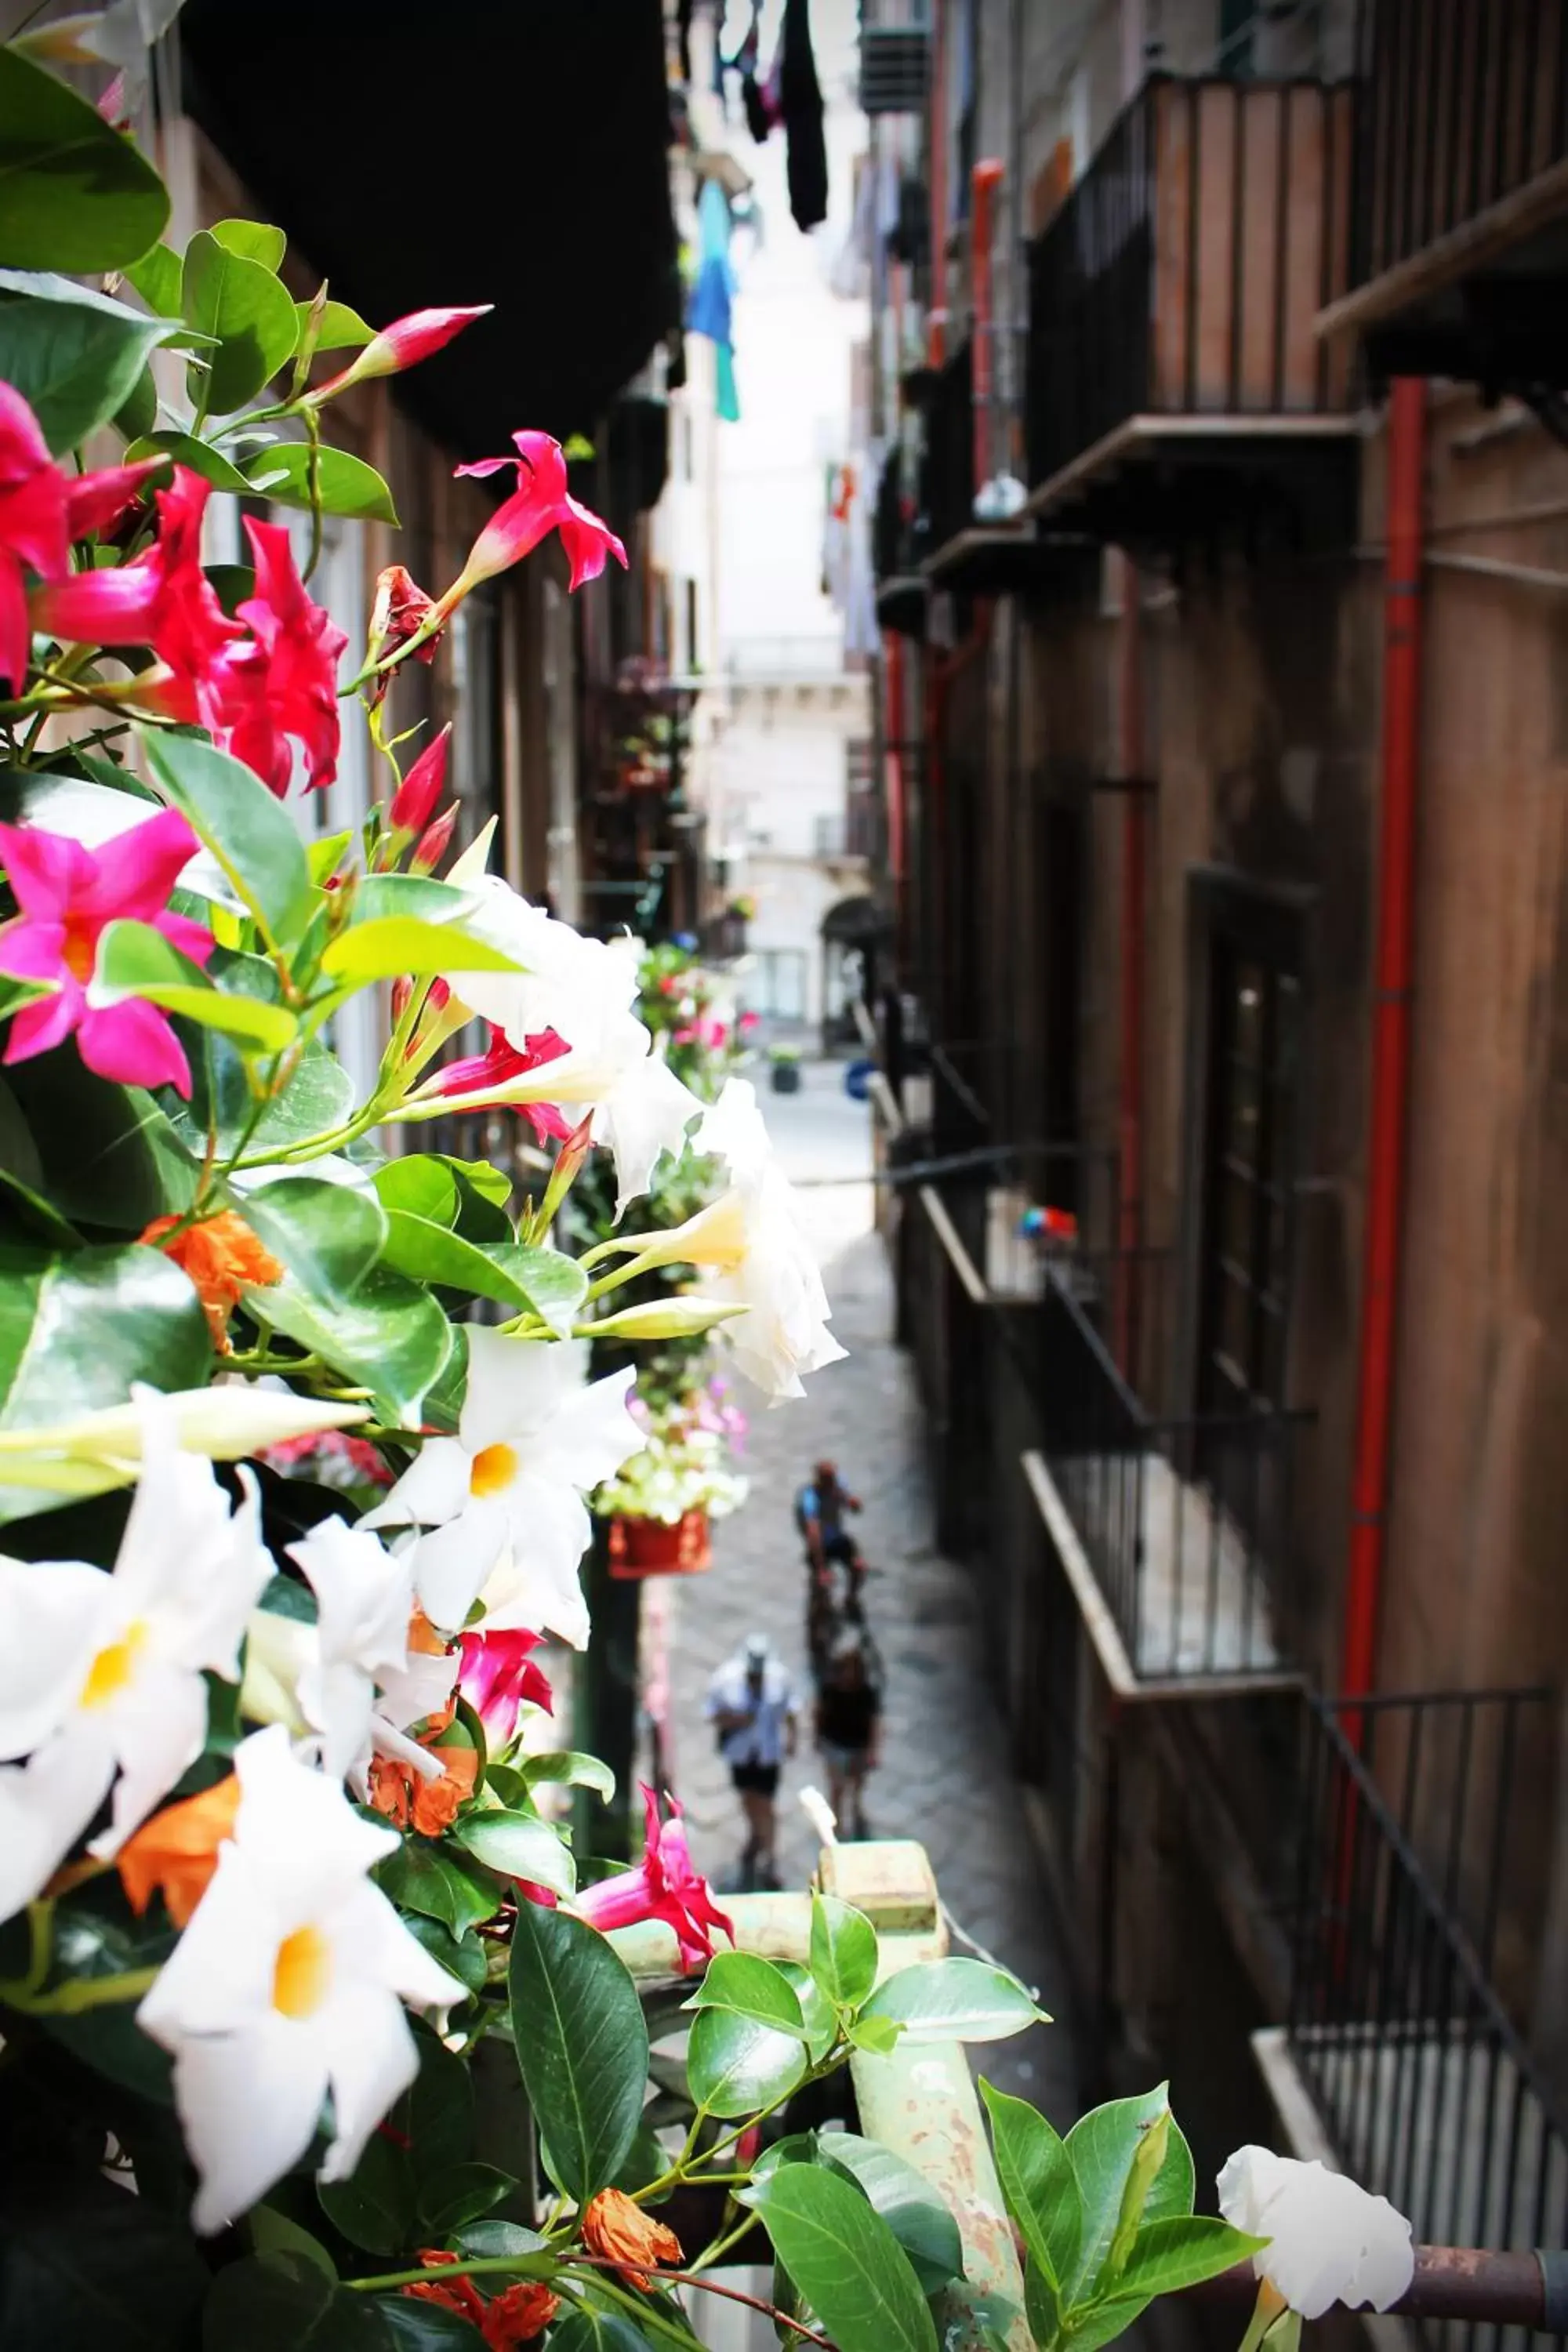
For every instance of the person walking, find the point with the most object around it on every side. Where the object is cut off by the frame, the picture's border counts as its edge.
(752, 1707)
(849, 1728)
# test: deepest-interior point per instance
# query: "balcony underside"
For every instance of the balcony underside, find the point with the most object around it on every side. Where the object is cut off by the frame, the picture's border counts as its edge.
(1474, 311)
(1202, 1624)
(1162, 483)
(991, 562)
(901, 603)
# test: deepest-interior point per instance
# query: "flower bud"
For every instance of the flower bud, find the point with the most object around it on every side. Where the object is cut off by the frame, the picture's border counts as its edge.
(433, 842)
(666, 1318)
(414, 801)
(402, 345)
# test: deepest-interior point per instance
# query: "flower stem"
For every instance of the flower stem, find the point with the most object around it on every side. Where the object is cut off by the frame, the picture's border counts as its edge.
(80, 1993)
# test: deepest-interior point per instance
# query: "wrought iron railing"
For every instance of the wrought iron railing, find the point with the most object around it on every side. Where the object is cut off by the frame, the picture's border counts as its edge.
(1182, 274)
(947, 469)
(1460, 105)
(1422, 2078)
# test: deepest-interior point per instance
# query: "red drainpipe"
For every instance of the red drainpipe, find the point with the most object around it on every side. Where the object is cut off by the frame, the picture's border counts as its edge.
(983, 181)
(941, 669)
(936, 323)
(1134, 863)
(1390, 1036)
(894, 737)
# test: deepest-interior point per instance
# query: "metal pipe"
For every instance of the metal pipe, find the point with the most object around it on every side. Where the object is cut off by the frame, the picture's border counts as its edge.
(983, 181)
(1390, 1038)
(936, 323)
(892, 754)
(1134, 860)
(1460, 2283)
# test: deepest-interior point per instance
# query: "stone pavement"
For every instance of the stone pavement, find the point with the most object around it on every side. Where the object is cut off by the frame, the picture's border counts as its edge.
(944, 1776)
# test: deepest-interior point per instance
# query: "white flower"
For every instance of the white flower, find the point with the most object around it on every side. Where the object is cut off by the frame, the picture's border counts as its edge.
(365, 1599)
(226, 1421)
(753, 1239)
(584, 990)
(288, 1984)
(506, 1494)
(101, 1673)
(1330, 2240)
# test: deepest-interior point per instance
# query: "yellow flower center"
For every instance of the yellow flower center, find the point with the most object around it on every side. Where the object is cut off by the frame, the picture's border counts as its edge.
(494, 1466)
(113, 1667)
(302, 1972)
(78, 949)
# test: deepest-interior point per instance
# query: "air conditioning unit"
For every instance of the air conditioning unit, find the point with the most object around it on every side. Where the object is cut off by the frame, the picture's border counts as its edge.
(895, 68)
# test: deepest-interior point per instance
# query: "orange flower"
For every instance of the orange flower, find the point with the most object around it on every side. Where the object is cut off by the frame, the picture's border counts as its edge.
(389, 1790)
(623, 2234)
(223, 1258)
(424, 1638)
(177, 1850)
(460, 2296)
(436, 1803)
(519, 2314)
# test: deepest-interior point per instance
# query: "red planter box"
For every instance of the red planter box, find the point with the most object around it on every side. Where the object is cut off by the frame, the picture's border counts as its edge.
(641, 1547)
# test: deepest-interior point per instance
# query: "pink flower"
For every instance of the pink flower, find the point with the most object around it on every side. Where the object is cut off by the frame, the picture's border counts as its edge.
(498, 1676)
(414, 801)
(285, 682)
(402, 345)
(501, 1061)
(433, 842)
(664, 1886)
(540, 504)
(42, 509)
(68, 894)
(748, 1022)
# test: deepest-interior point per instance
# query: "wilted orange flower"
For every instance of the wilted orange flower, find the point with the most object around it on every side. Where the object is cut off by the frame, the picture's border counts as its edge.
(523, 2311)
(458, 2294)
(223, 1258)
(389, 1790)
(436, 1803)
(177, 1850)
(623, 2234)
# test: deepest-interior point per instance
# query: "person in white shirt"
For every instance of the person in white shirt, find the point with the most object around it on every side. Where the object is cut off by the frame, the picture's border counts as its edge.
(752, 1706)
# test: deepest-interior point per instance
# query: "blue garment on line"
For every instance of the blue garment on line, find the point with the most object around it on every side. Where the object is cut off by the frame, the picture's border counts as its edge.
(711, 311)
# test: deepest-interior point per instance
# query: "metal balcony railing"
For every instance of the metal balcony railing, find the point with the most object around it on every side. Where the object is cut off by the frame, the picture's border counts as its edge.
(1408, 1875)
(947, 469)
(1182, 274)
(1460, 107)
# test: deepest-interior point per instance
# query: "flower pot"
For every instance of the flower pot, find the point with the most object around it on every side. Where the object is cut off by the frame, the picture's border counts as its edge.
(641, 1547)
(785, 1078)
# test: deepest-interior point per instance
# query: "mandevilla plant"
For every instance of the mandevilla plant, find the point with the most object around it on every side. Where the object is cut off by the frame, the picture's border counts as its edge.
(295, 1440)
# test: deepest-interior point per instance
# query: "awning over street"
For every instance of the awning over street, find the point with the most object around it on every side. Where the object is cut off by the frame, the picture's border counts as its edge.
(521, 161)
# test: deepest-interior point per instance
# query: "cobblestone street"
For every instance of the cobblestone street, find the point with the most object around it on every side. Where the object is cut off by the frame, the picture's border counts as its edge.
(944, 1776)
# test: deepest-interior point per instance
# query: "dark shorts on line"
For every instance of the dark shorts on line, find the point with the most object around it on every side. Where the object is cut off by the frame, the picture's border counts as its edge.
(755, 1780)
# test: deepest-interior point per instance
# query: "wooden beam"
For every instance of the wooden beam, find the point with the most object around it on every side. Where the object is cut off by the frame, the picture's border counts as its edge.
(1462, 250)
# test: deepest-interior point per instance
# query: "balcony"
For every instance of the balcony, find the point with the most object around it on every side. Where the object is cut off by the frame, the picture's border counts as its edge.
(1416, 1925)
(1175, 384)
(1460, 242)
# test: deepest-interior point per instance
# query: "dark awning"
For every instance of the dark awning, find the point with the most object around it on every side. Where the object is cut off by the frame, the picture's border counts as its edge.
(483, 151)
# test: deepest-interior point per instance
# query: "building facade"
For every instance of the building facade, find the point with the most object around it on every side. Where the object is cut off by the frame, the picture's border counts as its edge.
(1219, 553)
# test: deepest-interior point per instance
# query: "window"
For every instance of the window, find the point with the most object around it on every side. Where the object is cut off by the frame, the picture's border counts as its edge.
(1251, 1090)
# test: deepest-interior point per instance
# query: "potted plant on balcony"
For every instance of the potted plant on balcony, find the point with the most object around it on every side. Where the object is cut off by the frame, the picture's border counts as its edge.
(784, 1069)
(662, 1503)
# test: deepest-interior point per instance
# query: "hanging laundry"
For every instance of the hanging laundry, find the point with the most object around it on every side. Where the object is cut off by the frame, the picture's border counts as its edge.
(800, 101)
(711, 311)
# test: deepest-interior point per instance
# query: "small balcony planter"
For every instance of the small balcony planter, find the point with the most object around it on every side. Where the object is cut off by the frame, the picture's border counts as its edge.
(783, 1073)
(640, 1548)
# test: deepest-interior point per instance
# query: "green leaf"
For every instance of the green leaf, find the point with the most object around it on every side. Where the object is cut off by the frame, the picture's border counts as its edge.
(135, 960)
(138, 411)
(518, 1275)
(390, 945)
(271, 2300)
(591, 2328)
(1042, 2302)
(821, 2022)
(465, 2194)
(519, 1847)
(74, 195)
(736, 2066)
(91, 1943)
(253, 241)
(1038, 2182)
(328, 1235)
(922, 2224)
(432, 1879)
(582, 2043)
(490, 2240)
(1181, 2249)
(878, 2034)
(156, 277)
(315, 1100)
(272, 2232)
(342, 329)
(107, 1155)
(75, 356)
(744, 1985)
(76, 1331)
(390, 1337)
(408, 2323)
(1102, 2146)
(248, 832)
(843, 1950)
(566, 1766)
(436, 2115)
(348, 485)
(184, 449)
(845, 2262)
(461, 1957)
(954, 2000)
(375, 2207)
(35, 1218)
(250, 312)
